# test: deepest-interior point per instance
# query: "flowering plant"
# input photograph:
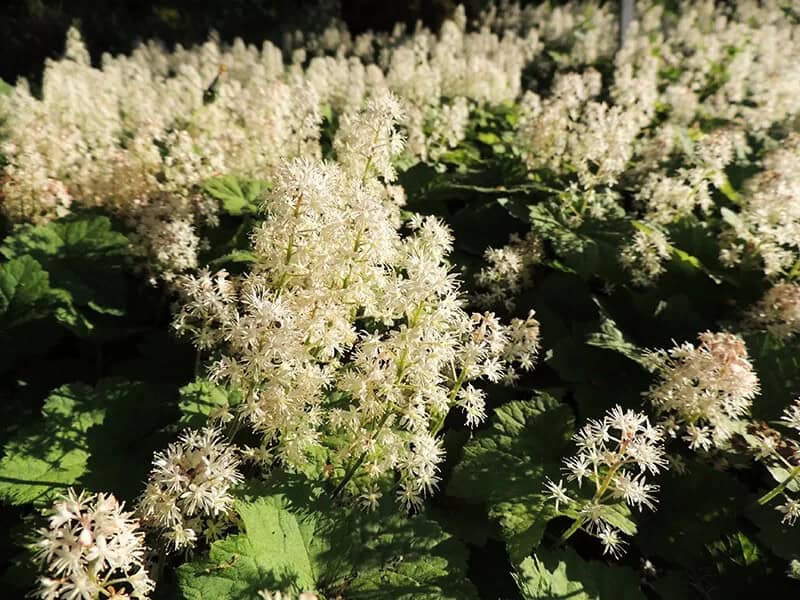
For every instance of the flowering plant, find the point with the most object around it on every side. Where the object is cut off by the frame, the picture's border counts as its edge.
(501, 309)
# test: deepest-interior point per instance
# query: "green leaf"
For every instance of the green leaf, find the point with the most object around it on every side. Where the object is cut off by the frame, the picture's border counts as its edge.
(489, 138)
(610, 337)
(5, 88)
(680, 531)
(25, 292)
(84, 257)
(736, 547)
(589, 249)
(506, 466)
(274, 553)
(781, 474)
(245, 257)
(680, 257)
(202, 397)
(468, 522)
(782, 539)
(85, 236)
(294, 542)
(777, 363)
(564, 574)
(39, 464)
(96, 437)
(730, 193)
(402, 558)
(619, 516)
(683, 258)
(237, 196)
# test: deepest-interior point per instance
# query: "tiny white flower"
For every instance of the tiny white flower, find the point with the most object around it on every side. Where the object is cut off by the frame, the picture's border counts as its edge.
(558, 492)
(108, 549)
(188, 492)
(790, 509)
(611, 540)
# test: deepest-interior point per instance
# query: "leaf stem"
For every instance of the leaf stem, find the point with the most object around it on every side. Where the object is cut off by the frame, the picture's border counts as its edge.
(600, 491)
(360, 461)
(198, 358)
(777, 490)
(577, 524)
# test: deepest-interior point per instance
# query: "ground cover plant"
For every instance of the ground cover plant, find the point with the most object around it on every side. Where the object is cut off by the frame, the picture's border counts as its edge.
(503, 310)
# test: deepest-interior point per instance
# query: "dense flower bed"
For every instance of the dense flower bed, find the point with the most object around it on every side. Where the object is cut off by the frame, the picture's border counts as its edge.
(501, 310)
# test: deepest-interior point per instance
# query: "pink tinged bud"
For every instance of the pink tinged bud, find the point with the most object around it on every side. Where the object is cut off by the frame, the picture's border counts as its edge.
(86, 538)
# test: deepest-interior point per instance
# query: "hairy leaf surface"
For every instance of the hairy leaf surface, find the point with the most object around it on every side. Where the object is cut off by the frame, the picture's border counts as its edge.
(564, 574)
(95, 437)
(506, 466)
(292, 542)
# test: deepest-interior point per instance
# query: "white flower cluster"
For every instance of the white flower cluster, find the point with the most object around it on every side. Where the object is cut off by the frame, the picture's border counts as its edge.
(509, 270)
(423, 66)
(704, 391)
(348, 333)
(585, 33)
(367, 141)
(778, 311)
(546, 124)
(690, 89)
(730, 64)
(645, 255)
(92, 549)
(791, 503)
(268, 595)
(571, 131)
(137, 138)
(188, 492)
(615, 456)
(141, 134)
(769, 220)
(671, 197)
(737, 59)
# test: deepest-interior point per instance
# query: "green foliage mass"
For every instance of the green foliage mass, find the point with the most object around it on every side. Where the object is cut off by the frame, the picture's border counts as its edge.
(294, 542)
(564, 574)
(94, 437)
(505, 468)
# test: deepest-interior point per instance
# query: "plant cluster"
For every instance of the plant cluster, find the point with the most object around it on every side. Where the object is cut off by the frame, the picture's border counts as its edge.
(418, 314)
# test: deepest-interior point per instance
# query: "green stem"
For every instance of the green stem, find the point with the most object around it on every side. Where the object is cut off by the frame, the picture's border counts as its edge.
(401, 367)
(356, 247)
(779, 488)
(598, 495)
(290, 245)
(236, 424)
(369, 158)
(451, 398)
(198, 358)
(577, 524)
(355, 466)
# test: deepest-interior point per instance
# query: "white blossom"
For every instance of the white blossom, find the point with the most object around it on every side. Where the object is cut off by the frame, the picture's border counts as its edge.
(350, 325)
(91, 549)
(615, 456)
(704, 391)
(778, 311)
(187, 496)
